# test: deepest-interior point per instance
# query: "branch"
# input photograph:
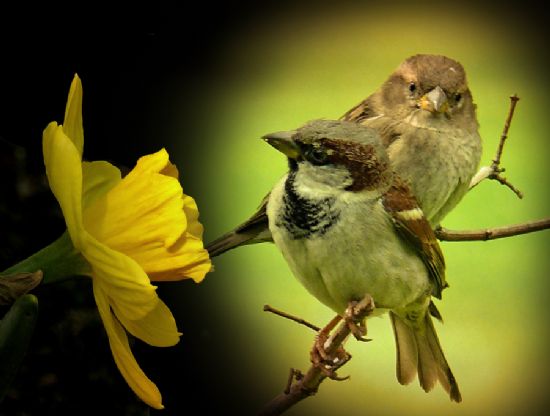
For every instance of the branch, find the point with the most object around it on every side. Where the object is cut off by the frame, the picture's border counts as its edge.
(494, 171)
(445, 234)
(301, 321)
(306, 385)
(513, 101)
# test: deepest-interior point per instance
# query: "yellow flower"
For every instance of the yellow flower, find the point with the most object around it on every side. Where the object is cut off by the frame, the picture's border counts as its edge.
(130, 230)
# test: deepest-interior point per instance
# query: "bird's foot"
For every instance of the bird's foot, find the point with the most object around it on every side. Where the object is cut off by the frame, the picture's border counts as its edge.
(328, 363)
(355, 317)
(327, 353)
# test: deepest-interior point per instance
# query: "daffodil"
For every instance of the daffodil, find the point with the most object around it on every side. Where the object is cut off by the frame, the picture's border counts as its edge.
(130, 231)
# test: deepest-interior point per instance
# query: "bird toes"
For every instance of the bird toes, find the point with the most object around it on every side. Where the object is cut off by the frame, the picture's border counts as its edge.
(355, 317)
(328, 363)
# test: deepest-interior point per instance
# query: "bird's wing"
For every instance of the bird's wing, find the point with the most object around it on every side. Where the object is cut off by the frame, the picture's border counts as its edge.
(360, 112)
(415, 229)
(370, 114)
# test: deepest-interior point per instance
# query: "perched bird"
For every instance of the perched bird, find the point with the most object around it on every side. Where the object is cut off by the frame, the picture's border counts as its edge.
(426, 117)
(349, 227)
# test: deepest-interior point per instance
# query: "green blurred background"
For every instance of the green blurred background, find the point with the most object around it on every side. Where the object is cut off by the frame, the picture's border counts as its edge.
(207, 84)
(289, 68)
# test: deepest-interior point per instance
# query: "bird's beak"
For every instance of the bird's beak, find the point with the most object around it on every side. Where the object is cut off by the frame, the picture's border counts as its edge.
(435, 101)
(282, 141)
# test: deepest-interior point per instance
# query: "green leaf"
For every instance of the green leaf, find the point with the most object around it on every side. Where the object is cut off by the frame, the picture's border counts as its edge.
(16, 329)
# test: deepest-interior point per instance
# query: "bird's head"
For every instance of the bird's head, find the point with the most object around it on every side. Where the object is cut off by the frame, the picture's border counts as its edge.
(329, 154)
(428, 89)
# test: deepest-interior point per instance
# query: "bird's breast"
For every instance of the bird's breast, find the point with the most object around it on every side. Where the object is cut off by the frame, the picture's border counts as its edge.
(348, 254)
(438, 165)
(304, 217)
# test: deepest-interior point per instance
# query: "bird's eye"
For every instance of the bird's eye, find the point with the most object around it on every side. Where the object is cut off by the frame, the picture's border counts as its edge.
(458, 97)
(316, 155)
(412, 87)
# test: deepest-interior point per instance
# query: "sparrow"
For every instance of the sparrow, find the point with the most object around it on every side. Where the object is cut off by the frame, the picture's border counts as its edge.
(349, 227)
(426, 117)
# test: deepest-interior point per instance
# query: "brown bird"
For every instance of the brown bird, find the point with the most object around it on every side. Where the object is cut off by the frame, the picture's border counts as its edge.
(426, 117)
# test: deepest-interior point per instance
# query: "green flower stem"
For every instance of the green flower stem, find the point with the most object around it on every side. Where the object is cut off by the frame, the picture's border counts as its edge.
(58, 261)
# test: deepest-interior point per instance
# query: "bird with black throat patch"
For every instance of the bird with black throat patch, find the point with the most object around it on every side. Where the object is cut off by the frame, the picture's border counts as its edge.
(425, 115)
(349, 227)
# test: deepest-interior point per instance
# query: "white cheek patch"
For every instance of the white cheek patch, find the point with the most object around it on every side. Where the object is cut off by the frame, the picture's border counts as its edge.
(410, 214)
(319, 181)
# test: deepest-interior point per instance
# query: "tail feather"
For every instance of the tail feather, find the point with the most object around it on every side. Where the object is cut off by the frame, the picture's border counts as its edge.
(226, 242)
(446, 376)
(235, 239)
(419, 351)
(407, 352)
(252, 231)
(428, 365)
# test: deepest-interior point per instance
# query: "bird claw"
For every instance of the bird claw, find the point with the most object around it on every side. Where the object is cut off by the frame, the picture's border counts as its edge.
(328, 363)
(358, 327)
(354, 318)
(331, 373)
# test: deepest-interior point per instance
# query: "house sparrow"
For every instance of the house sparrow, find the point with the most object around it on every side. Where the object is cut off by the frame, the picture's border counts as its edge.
(425, 114)
(349, 227)
(426, 117)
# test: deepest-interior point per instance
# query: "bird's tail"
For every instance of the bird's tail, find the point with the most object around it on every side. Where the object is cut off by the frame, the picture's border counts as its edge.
(229, 241)
(419, 351)
(252, 231)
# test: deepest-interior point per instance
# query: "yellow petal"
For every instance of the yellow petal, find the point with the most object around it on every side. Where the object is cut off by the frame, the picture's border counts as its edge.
(128, 286)
(98, 178)
(157, 328)
(143, 211)
(185, 259)
(64, 171)
(73, 115)
(194, 227)
(147, 217)
(124, 279)
(153, 163)
(170, 169)
(124, 359)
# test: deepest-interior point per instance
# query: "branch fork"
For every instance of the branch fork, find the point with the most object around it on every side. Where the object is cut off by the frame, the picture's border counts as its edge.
(301, 386)
(494, 171)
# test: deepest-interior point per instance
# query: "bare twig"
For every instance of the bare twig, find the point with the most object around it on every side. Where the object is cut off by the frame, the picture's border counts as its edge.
(445, 234)
(503, 181)
(494, 171)
(301, 321)
(309, 383)
(294, 374)
(513, 101)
